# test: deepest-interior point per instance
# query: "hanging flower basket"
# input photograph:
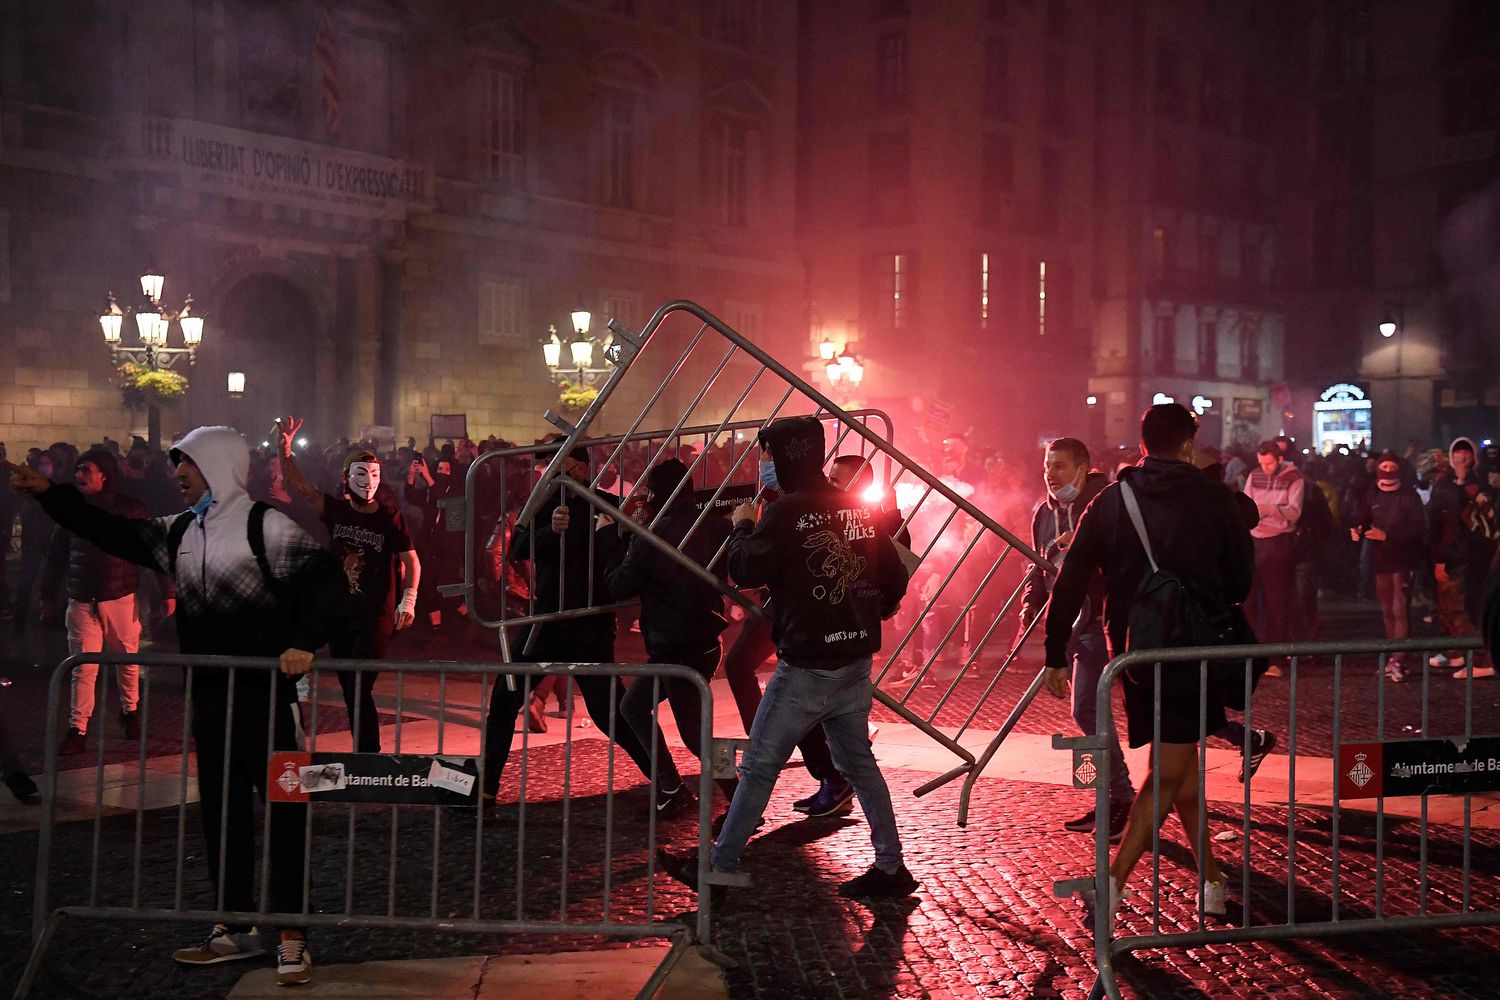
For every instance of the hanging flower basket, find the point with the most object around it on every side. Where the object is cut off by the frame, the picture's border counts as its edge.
(575, 396)
(141, 386)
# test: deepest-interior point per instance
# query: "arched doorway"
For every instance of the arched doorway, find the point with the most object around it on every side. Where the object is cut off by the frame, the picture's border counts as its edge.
(266, 327)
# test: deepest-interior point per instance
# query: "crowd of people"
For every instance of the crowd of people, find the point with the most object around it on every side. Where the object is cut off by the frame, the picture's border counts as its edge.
(300, 547)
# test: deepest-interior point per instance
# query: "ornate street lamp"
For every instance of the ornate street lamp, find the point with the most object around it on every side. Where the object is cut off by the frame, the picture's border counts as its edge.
(152, 326)
(580, 369)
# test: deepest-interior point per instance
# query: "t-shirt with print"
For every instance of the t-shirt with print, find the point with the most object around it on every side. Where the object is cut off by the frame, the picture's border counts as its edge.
(368, 546)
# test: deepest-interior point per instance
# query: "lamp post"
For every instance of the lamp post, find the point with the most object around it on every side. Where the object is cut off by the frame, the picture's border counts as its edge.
(152, 324)
(844, 373)
(580, 370)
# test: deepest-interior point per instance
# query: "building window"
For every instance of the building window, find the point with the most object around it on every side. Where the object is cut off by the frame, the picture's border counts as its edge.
(1161, 256)
(999, 171)
(1249, 353)
(984, 291)
(1049, 203)
(1041, 298)
(890, 71)
(890, 176)
(1208, 349)
(996, 77)
(504, 122)
(502, 312)
(623, 306)
(1167, 94)
(735, 22)
(1055, 94)
(899, 276)
(745, 317)
(734, 174)
(619, 150)
(1164, 345)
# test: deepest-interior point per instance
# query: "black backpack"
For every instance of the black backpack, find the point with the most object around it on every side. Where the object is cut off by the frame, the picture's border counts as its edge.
(1172, 612)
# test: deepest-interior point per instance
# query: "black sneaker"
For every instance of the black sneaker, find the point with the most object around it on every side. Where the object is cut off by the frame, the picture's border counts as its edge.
(876, 882)
(835, 796)
(1083, 824)
(131, 723)
(21, 786)
(684, 869)
(672, 802)
(1119, 818)
(1262, 742)
(72, 744)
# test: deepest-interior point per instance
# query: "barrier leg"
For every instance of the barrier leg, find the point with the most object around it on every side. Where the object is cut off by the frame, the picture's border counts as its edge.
(38, 952)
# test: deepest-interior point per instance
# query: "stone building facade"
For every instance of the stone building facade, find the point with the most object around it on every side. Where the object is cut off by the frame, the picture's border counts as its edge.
(381, 207)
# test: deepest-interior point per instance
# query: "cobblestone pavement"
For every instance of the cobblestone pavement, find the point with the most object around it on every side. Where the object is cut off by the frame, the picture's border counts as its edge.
(984, 923)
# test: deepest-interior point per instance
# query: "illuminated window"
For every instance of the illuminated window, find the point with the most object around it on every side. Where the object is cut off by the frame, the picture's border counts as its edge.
(619, 150)
(900, 289)
(504, 119)
(1041, 298)
(984, 290)
(502, 311)
(1158, 251)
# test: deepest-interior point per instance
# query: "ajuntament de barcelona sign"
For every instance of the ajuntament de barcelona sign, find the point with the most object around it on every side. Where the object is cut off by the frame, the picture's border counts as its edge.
(259, 167)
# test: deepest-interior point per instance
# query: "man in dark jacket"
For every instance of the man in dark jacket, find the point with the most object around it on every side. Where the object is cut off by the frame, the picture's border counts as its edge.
(834, 575)
(101, 589)
(1464, 534)
(287, 603)
(1197, 531)
(568, 576)
(1390, 517)
(1071, 487)
(681, 617)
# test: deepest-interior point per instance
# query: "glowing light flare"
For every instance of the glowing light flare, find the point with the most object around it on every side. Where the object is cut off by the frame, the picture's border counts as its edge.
(874, 493)
(583, 353)
(827, 350)
(1388, 328)
(151, 285)
(581, 321)
(1161, 398)
(235, 383)
(834, 373)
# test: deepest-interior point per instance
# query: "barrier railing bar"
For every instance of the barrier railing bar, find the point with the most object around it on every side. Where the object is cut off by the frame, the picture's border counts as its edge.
(143, 705)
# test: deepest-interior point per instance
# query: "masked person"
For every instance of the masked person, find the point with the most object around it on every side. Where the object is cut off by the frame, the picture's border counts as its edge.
(834, 576)
(441, 549)
(370, 540)
(1071, 487)
(1391, 519)
(249, 583)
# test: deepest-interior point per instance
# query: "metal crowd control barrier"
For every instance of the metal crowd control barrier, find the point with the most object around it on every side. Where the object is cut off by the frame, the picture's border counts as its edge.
(962, 585)
(401, 853)
(495, 490)
(1369, 758)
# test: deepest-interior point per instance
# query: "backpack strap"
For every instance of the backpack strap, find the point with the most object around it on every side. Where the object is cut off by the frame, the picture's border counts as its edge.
(256, 528)
(179, 528)
(1133, 508)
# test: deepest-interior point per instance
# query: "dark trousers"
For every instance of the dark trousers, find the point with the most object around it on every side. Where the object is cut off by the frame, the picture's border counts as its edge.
(1275, 584)
(645, 693)
(752, 647)
(247, 756)
(1394, 591)
(364, 642)
(507, 697)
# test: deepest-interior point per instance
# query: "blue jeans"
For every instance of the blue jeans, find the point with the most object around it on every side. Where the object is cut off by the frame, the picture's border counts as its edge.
(795, 701)
(1090, 656)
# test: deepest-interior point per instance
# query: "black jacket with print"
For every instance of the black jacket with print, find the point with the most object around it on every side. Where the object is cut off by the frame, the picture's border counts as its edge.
(827, 559)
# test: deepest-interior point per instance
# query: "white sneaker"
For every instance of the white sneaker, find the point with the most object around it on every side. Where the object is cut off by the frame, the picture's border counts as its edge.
(222, 946)
(1213, 898)
(1116, 896)
(1464, 673)
(293, 962)
(1443, 660)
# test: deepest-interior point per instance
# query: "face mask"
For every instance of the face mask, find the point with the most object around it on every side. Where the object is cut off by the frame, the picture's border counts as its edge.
(1388, 484)
(1064, 494)
(201, 507)
(768, 474)
(364, 479)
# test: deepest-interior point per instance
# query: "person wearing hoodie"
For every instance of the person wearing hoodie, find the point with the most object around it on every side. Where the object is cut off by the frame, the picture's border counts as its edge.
(284, 603)
(101, 614)
(1390, 518)
(1071, 487)
(834, 575)
(1199, 532)
(682, 617)
(1277, 489)
(1464, 532)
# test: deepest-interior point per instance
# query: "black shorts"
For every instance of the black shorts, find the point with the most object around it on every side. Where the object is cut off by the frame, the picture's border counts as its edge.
(1179, 703)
